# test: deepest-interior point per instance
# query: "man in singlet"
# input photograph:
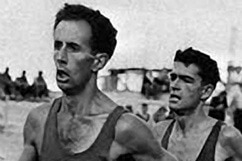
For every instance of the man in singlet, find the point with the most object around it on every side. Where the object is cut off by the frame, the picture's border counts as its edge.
(84, 124)
(192, 135)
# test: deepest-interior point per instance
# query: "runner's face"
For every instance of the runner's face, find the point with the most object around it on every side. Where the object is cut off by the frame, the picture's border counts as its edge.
(72, 55)
(186, 88)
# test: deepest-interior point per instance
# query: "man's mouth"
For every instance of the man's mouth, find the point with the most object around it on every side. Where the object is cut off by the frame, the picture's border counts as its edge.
(174, 98)
(62, 76)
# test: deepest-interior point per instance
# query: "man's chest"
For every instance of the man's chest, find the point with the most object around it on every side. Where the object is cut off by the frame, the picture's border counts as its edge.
(75, 135)
(78, 134)
(187, 147)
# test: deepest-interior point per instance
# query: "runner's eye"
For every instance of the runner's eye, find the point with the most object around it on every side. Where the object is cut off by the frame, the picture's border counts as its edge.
(72, 47)
(173, 77)
(57, 45)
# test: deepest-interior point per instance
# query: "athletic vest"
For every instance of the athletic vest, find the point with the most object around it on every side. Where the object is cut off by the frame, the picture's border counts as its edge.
(208, 151)
(99, 150)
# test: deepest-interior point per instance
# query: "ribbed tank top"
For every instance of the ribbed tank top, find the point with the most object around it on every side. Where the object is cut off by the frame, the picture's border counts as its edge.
(53, 151)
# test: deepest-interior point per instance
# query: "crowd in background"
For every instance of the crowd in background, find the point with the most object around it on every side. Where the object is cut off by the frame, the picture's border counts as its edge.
(20, 88)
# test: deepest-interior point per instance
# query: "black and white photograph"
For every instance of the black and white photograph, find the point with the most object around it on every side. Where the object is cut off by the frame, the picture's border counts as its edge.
(121, 80)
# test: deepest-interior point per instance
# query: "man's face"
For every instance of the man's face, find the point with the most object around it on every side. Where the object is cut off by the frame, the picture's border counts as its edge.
(72, 55)
(186, 88)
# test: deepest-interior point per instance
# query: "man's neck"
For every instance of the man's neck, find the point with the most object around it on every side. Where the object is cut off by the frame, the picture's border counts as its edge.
(81, 103)
(89, 101)
(192, 119)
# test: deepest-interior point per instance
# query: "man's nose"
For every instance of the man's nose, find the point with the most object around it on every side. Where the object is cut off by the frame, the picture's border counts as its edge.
(61, 56)
(174, 85)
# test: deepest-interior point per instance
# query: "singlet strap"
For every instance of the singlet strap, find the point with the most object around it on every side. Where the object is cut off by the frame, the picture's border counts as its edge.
(105, 138)
(165, 139)
(208, 151)
(50, 148)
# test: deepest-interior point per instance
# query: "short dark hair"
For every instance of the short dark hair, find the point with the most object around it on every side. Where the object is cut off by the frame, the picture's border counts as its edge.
(208, 69)
(103, 33)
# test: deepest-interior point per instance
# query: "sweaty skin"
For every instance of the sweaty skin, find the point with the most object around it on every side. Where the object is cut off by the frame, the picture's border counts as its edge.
(131, 136)
(84, 108)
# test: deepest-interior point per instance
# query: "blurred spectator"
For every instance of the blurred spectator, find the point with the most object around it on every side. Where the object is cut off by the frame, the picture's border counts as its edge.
(160, 114)
(147, 85)
(236, 107)
(219, 106)
(39, 86)
(22, 84)
(6, 74)
(6, 84)
(144, 115)
(234, 93)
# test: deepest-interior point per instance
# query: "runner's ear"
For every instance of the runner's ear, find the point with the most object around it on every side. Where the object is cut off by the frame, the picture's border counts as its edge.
(100, 61)
(207, 91)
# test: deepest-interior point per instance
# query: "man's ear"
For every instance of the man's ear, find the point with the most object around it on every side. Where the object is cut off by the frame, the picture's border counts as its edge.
(100, 61)
(207, 91)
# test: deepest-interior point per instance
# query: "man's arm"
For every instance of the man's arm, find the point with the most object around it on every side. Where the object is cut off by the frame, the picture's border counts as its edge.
(29, 153)
(134, 137)
(232, 141)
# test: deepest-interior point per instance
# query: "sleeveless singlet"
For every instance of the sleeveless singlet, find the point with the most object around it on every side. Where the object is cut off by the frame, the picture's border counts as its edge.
(208, 150)
(99, 150)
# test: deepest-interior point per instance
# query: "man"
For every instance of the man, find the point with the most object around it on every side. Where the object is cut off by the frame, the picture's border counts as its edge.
(144, 112)
(234, 94)
(22, 85)
(192, 135)
(39, 86)
(6, 84)
(6, 74)
(160, 115)
(84, 124)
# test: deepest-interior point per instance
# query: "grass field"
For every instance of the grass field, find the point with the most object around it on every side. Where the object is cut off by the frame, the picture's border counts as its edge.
(11, 138)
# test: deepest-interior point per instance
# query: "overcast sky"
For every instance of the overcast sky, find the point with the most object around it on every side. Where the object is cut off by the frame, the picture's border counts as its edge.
(149, 32)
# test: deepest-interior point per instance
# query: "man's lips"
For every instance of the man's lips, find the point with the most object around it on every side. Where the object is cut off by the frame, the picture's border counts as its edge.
(174, 97)
(62, 75)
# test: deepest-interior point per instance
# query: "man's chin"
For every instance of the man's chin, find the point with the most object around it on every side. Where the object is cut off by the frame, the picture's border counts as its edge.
(173, 105)
(63, 86)
(181, 111)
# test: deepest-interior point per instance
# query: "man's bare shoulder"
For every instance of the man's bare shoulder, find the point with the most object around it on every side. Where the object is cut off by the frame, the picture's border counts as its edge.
(129, 127)
(128, 121)
(40, 113)
(138, 139)
(36, 118)
(34, 125)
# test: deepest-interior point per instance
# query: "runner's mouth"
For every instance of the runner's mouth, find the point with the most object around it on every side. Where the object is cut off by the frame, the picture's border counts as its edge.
(62, 76)
(173, 96)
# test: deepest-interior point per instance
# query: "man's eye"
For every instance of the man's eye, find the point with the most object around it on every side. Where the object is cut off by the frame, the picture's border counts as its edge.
(187, 79)
(173, 77)
(73, 47)
(57, 45)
